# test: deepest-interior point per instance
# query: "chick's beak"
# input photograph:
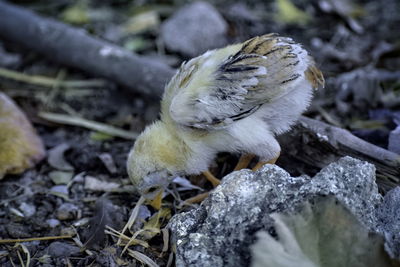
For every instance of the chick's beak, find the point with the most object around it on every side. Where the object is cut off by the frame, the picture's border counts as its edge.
(152, 187)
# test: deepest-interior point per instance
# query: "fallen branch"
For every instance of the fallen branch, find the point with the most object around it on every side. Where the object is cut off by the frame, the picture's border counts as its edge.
(74, 47)
(316, 144)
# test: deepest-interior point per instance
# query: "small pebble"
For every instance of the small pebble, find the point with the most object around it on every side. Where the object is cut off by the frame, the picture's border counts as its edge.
(53, 222)
(62, 249)
(67, 211)
(68, 231)
(27, 209)
(61, 189)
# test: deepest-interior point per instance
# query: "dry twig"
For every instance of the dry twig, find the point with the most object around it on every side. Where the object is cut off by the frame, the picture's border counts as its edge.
(92, 125)
(49, 82)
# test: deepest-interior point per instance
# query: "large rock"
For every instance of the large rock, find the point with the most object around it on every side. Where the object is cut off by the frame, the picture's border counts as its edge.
(388, 215)
(194, 29)
(221, 230)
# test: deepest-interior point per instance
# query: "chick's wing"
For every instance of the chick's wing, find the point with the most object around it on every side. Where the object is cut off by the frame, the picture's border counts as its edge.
(229, 84)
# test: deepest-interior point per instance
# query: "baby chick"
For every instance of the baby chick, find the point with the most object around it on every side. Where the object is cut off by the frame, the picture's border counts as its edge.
(234, 99)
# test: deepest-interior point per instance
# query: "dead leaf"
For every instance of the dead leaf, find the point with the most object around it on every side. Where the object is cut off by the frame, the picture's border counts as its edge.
(152, 226)
(142, 22)
(56, 158)
(21, 147)
(94, 184)
(108, 161)
(76, 13)
(60, 177)
(99, 221)
(321, 234)
(288, 13)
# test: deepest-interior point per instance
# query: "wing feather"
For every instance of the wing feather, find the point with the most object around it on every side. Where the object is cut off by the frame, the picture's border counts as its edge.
(226, 85)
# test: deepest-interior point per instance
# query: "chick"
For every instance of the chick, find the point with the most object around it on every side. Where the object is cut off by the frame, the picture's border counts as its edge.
(234, 99)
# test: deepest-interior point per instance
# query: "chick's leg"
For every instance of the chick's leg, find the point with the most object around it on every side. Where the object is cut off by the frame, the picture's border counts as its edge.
(211, 178)
(262, 163)
(244, 161)
(197, 199)
(200, 197)
(270, 149)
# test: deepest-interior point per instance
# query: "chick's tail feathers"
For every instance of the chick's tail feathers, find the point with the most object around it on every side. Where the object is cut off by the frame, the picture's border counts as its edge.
(229, 84)
(315, 77)
(285, 63)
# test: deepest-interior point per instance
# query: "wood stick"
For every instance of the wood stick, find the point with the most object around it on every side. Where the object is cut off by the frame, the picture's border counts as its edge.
(76, 48)
(316, 144)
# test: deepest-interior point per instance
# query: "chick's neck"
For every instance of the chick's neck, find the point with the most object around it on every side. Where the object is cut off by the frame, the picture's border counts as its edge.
(169, 147)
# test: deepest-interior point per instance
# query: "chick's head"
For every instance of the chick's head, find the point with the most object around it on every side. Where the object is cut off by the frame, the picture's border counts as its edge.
(155, 159)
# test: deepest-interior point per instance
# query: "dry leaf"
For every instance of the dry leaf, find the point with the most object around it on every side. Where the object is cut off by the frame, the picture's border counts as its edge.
(21, 147)
(152, 227)
(321, 234)
(56, 158)
(288, 13)
(99, 221)
(94, 184)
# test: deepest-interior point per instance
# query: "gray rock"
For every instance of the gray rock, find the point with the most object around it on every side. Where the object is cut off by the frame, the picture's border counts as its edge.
(388, 215)
(394, 140)
(220, 231)
(53, 223)
(67, 211)
(194, 29)
(59, 189)
(27, 209)
(18, 230)
(60, 249)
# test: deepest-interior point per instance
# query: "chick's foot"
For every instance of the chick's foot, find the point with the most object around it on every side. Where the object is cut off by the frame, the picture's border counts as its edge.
(244, 161)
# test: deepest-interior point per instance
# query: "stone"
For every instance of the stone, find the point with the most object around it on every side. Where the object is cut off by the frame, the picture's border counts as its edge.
(27, 209)
(59, 189)
(67, 211)
(53, 223)
(61, 249)
(15, 230)
(394, 140)
(388, 215)
(221, 230)
(194, 29)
